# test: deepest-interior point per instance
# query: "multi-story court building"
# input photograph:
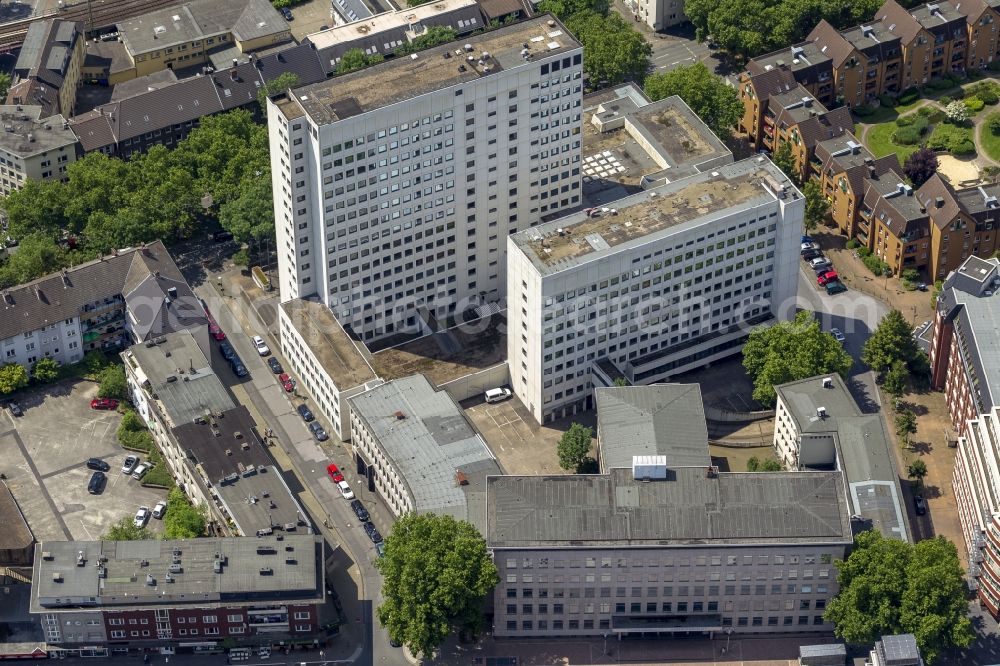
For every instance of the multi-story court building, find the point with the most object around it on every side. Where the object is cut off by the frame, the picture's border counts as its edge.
(664, 281)
(396, 186)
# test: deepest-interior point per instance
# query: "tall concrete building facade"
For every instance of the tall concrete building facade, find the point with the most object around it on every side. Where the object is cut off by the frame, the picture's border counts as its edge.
(396, 186)
(664, 282)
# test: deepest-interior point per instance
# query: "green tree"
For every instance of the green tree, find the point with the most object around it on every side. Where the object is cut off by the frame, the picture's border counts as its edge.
(37, 255)
(789, 351)
(45, 370)
(574, 445)
(891, 341)
(39, 207)
(894, 382)
(280, 83)
(613, 51)
(709, 96)
(12, 378)
(433, 36)
(125, 530)
(250, 214)
(621, 381)
(889, 586)
(917, 470)
(755, 464)
(906, 425)
(355, 59)
(817, 205)
(5, 82)
(782, 158)
(566, 8)
(112, 383)
(436, 575)
(182, 520)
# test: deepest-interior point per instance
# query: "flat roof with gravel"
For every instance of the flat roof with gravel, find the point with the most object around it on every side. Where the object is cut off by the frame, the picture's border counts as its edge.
(339, 355)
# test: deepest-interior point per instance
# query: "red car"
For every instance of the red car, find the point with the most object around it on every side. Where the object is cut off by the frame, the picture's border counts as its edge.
(286, 382)
(103, 403)
(829, 276)
(334, 473)
(216, 332)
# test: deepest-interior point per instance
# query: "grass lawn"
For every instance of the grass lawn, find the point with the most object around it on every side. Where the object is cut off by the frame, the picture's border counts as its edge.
(990, 141)
(880, 142)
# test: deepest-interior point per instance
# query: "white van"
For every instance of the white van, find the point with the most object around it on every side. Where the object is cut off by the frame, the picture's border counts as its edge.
(497, 394)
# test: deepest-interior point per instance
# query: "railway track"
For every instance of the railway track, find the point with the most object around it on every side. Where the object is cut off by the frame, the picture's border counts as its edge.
(99, 15)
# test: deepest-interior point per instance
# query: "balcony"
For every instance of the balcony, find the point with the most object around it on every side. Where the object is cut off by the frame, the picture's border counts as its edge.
(865, 213)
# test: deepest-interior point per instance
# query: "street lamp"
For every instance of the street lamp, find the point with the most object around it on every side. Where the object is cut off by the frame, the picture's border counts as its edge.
(605, 644)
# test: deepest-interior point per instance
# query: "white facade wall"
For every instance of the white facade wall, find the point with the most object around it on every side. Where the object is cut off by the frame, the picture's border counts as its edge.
(60, 341)
(407, 206)
(786, 436)
(750, 588)
(978, 471)
(658, 14)
(388, 481)
(328, 397)
(49, 165)
(682, 287)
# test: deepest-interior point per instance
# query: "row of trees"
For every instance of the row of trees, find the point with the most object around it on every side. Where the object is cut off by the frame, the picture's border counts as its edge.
(110, 203)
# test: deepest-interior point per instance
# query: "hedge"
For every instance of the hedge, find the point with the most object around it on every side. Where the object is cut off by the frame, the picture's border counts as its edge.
(953, 139)
(908, 96)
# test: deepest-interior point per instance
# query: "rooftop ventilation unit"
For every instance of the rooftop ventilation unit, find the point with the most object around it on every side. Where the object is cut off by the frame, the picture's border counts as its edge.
(266, 571)
(47, 556)
(56, 577)
(150, 581)
(821, 412)
(828, 382)
(168, 578)
(80, 559)
(176, 568)
(399, 416)
(645, 468)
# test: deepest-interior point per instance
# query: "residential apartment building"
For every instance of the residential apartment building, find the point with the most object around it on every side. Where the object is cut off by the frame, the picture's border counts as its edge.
(100, 305)
(327, 361)
(47, 72)
(866, 60)
(817, 425)
(185, 35)
(33, 146)
(159, 113)
(808, 65)
(396, 186)
(658, 14)
(670, 551)
(933, 37)
(384, 33)
(654, 285)
(897, 221)
(180, 594)
(842, 166)
(419, 452)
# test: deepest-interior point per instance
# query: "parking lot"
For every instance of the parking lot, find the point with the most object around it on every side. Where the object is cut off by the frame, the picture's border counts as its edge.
(520, 445)
(43, 454)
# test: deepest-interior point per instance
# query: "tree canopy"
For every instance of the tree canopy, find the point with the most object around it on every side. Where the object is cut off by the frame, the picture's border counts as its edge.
(613, 51)
(920, 166)
(893, 340)
(789, 351)
(566, 8)
(436, 574)
(125, 530)
(12, 378)
(817, 205)
(709, 96)
(751, 27)
(112, 383)
(432, 36)
(355, 59)
(574, 445)
(45, 369)
(109, 203)
(889, 586)
(182, 520)
(281, 82)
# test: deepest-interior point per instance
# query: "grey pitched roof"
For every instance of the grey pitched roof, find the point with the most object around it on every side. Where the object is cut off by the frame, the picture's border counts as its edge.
(302, 60)
(258, 19)
(662, 419)
(93, 129)
(688, 507)
(47, 50)
(429, 446)
(143, 84)
(61, 296)
(862, 448)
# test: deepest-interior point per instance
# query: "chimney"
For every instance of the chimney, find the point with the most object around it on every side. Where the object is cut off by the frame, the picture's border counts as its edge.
(233, 75)
(939, 202)
(399, 416)
(172, 292)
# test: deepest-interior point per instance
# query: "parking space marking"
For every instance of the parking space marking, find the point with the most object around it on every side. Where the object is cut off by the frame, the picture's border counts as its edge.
(41, 485)
(83, 525)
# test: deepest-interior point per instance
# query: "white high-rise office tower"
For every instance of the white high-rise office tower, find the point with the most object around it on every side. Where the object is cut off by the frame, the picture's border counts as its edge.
(395, 187)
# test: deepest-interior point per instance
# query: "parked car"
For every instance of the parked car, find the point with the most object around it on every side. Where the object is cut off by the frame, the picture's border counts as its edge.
(275, 366)
(497, 395)
(240, 370)
(129, 465)
(360, 511)
(305, 413)
(140, 470)
(380, 551)
(807, 239)
(334, 473)
(345, 490)
(837, 335)
(835, 287)
(98, 464)
(286, 382)
(261, 346)
(287, 14)
(96, 484)
(922, 286)
(805, 247)
(819, 261)
(15, 409)
(103, 403)
(215, 331)
(811, 254)
(920, 504)
(829, 276)
(160, 509)
(227, 351)
(317, 430)
(372, 533)
(141, 516)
